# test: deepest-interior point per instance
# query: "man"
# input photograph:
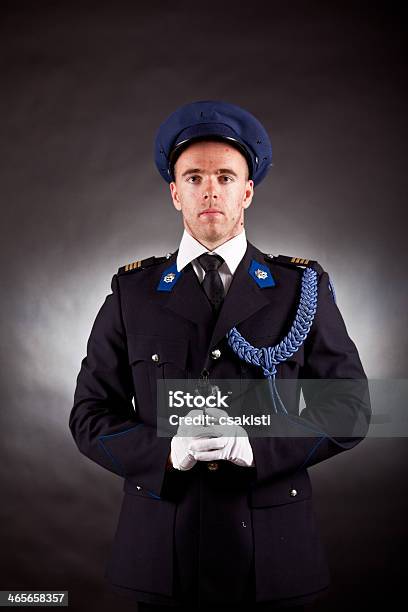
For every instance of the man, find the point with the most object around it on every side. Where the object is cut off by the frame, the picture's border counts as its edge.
(212, 517)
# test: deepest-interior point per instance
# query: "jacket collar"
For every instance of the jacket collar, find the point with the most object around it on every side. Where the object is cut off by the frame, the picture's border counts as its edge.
(244, 298)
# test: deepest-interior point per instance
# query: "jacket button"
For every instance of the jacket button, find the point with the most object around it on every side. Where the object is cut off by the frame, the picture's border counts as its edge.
(216, 354)
(212, 466)
(155, 357)
(293, 493)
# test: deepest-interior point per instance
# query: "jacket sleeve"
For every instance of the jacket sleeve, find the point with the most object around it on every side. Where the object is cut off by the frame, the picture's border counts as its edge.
(103, 421)
(337, 403)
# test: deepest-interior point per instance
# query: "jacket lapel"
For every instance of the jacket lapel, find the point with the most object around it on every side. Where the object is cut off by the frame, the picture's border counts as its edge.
(244, 297)
(188, 299)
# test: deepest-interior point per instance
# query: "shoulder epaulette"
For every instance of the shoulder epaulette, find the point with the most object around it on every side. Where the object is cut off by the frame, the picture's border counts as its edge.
(295, 261)
(141, 264)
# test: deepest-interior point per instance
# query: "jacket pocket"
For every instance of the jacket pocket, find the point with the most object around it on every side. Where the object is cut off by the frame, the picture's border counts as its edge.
(288, 490)
(142, 553)
(165, 355)
(154, 358)
(289, 556)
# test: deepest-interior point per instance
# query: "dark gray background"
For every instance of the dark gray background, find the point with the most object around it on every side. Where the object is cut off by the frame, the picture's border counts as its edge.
(84, 87)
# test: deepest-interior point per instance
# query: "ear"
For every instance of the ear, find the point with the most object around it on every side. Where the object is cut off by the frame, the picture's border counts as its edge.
(249, 193)
(175, 196)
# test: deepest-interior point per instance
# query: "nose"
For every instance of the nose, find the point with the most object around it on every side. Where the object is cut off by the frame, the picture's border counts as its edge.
(208, 195)
(210, 191)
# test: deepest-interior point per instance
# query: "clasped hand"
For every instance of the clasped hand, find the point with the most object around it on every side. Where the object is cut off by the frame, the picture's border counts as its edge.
(194, 443)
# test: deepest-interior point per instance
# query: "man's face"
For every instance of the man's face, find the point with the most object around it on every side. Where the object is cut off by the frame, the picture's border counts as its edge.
(211, 190)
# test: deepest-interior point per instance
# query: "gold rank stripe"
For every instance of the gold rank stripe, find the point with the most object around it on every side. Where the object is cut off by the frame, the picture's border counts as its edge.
(299, 260)
(133, 265)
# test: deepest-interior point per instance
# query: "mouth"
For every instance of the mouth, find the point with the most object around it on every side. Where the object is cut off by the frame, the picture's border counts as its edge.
(211, 211)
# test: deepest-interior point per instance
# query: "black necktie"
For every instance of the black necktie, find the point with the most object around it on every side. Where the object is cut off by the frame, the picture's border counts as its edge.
(212, 283)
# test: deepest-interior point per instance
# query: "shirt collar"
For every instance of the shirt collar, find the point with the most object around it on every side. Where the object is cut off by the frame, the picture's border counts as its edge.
(231, 251)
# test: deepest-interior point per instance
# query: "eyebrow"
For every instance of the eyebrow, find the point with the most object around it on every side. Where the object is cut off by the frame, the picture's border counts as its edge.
(219, 171)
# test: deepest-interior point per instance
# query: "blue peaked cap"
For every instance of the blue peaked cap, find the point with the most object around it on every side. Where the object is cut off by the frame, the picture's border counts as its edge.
(212, 119)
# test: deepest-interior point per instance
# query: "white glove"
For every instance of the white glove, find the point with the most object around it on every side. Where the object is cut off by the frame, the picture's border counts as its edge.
(181, 456)
(235, 448)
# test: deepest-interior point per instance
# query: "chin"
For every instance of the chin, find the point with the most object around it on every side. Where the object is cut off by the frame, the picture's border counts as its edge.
(213, 236)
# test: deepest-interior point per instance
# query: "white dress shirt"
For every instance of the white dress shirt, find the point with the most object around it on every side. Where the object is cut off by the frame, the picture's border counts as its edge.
(231, 251)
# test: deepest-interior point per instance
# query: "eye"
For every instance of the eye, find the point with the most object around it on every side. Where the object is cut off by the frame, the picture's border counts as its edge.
(225, 178)
(191, 179)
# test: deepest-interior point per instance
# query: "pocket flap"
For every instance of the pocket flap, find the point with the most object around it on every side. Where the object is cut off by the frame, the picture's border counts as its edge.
(135, 489)
(290, 489)
(157, 349)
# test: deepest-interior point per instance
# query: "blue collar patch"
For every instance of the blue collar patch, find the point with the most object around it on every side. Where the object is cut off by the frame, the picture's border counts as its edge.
(169, 278)
(261, 274)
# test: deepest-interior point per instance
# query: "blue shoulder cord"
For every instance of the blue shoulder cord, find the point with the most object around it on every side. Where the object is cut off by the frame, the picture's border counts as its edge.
(269, 357)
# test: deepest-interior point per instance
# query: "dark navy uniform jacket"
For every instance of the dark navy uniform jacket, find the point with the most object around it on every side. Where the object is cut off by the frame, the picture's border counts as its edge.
(227, 535)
